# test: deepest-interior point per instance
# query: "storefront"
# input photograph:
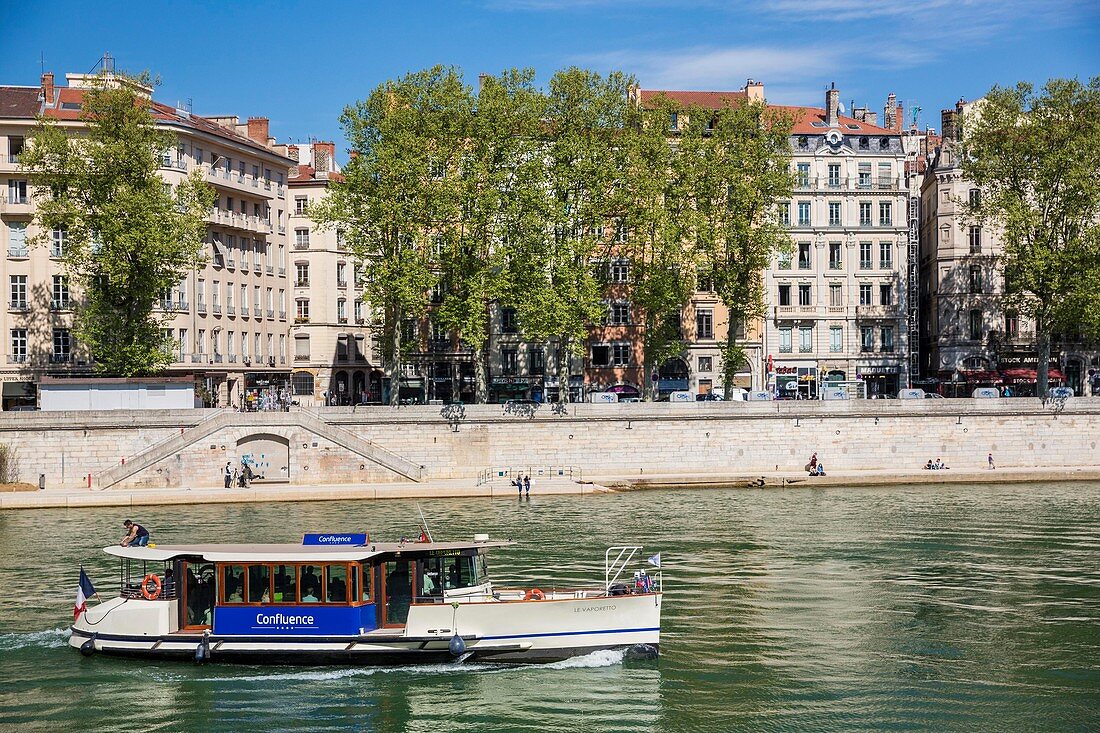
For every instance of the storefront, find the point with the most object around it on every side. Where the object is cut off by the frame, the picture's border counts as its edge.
(502, 389)
(19, 396)
(880, 380)
(673, 376)
(266, 391)
(795, 381)
(550, 391)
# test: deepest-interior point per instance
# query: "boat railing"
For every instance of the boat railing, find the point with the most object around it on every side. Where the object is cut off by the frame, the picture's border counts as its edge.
(132, 591)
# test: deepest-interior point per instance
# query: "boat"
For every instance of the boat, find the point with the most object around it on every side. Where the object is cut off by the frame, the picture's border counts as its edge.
(343, 599)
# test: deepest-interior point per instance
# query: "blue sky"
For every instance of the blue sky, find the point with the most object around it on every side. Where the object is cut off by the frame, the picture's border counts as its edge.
(300, 63)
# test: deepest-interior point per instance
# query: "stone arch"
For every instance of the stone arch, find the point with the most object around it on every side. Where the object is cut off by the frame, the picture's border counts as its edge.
(267, 454)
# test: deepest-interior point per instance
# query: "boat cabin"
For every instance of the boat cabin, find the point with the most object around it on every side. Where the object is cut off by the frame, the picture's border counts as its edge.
(317, 588)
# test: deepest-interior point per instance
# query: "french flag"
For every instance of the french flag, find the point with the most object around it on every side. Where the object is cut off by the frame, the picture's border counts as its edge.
(84, 591)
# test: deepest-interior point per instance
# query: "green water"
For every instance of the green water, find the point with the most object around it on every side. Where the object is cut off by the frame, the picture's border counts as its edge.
(947, 608)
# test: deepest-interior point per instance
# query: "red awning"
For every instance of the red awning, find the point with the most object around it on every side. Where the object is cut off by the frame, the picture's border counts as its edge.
(978, 375)
(1030, 375)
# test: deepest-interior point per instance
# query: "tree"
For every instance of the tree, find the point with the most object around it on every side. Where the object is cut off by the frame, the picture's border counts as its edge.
(1035, 158)
(735, 166)
(499, 176)
(399, 194)
(653, 205)
(130, 236)
(559, 291)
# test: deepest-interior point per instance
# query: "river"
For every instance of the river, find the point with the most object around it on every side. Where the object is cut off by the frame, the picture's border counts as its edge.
(946, 608)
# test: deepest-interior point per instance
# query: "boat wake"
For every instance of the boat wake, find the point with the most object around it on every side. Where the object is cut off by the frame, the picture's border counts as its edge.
(598, 658)
(48, 638)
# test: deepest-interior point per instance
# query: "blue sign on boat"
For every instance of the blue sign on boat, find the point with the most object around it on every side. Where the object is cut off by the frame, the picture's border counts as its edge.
(336, 539)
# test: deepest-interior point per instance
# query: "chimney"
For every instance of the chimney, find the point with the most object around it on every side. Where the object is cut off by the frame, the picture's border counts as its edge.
(871, 118)
(832, 106)
(899, 116)
(324, 157)
(258, 129)
(754, 90)
(949, 121)
(292, 152)
(47, 88)
(890, 111)
(481, 79)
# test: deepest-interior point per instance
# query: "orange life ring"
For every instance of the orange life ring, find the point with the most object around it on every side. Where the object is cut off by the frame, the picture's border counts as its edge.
(534, 595)
(151, 595)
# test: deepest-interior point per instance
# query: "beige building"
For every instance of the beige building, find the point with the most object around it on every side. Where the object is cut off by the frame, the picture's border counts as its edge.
(228, 317)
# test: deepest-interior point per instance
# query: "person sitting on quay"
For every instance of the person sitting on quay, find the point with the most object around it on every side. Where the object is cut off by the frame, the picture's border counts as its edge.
(929, 466)
(940, 465)
(136, 535)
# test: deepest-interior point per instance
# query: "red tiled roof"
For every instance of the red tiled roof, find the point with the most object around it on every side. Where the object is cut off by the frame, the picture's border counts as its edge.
(308, 174)
(19, 102)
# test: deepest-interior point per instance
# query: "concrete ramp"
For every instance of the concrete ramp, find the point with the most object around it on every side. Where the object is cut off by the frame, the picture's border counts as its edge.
(225, 419)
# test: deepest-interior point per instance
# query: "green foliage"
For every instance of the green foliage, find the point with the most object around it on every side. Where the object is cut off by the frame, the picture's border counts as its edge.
(1035, 157)
(734, 167)
(129, 235)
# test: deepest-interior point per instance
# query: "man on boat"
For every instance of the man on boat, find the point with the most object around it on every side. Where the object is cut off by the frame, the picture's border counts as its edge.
(136, 535)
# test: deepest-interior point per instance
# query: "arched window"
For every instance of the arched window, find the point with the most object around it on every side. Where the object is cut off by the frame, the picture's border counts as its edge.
(302, 382)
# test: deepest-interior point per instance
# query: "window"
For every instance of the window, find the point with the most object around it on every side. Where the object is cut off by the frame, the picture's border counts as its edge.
(865, 256)
(784, 294)
(785, 214)
(976, 325)
(975, 197)
(601, 355)
(834, 175)
(804, 255)
(620, 271)
(622, 231)
(301, 272)
(58, 240)
(301, 347)
(229, 295)
(60, 291)
(803, 142)
(865, 294)
(673, 122)
(805, 339)
(509, 361)
(975, 279)
(864, 170)
(836, 251)
(884, 175)
(783, 264)
(885, 294)
(1012, 325)
(301, 313)
(18, 345)
(805, 295)
(18, 291)
(784, 339)
(865, 213)
(975, 240)
(804, 213)
(836, 339)
(885, 255)
(508, 321)
(620, 354)
(704, 323)
(244, 344)
(884, 143)
(61, 345)
(836, 295)
(706, 363)
(302, 382)
(864, 144)
(336, 583)
(200, 341)
(619, 314)
(301, 238)
(286, 584)
(341, 275)
(803, 175)
(230, 344)
(885, 213)
(15, 148)
(233, 584)
(866, 338)
(17, 191)
(17, 239)
(834, 213)
(886, 334)
(536, 359)
(341, 311)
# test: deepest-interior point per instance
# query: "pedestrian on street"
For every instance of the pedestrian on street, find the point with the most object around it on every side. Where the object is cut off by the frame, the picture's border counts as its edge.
(991, 466)
(527, 484)
(228, 473)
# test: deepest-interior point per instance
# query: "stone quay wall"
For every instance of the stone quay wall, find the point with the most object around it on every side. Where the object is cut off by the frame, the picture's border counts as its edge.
(620, 441)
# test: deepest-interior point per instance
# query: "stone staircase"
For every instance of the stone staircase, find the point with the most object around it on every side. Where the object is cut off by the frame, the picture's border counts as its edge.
(259, 421)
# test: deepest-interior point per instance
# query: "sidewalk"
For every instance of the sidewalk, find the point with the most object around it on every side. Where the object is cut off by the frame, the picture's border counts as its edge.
(78, 497)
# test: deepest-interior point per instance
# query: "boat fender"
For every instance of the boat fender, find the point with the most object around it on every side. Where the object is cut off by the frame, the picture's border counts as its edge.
(457, 645)
(534, 595)
(202, 651)
(151, 595)
(88, 647)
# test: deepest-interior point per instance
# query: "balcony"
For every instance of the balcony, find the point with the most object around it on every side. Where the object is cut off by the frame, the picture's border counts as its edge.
(217, 359)
(297, 357)
(257, 268)
(232, 358)
(836, 310)
(282, 315)
(17, 305)
(341, 319)
(198, 358)
(20, 205)
(301, 245)
(60, 358)
(63, 304)
(301, 283)
(244, 310)
(341, 283)
(795, 311)
(201, 308)
(216, 309)
(849, 183)
(229, 310)
(270, 270)
(876, 311)
(17, 358)
(282, 271)
(301, 319)
(18, 252)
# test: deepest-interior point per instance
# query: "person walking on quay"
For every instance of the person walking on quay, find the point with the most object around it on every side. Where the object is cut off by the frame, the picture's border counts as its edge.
(813, 464)
(227, 472)
(527, 484)
(136, 535)
(518, 483)
(991, 465)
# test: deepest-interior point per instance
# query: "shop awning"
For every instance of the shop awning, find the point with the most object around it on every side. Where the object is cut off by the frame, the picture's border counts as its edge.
(1030, 375)
(626, 389)
(18, 389)
(979, 375)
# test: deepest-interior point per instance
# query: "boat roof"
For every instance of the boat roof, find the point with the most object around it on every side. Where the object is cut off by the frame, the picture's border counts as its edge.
(290, 552)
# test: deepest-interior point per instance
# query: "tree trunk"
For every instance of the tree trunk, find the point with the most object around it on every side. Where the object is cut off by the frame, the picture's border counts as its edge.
(563, 371)
(481, 374)
(648, 362)
(1042, 371)
(393, 364)
(727, 368)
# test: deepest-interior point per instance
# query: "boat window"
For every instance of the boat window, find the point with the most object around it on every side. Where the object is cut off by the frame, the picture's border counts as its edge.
(336, 583)
(286, 584)
(431, 576)
(259, 580)
(463, 572)
(367, 576)
(353, 583)
(233, 585)
(311, 585)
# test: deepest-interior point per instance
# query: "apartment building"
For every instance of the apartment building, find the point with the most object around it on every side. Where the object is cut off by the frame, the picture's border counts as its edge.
(228, 316)
(972, 337)
(837, 301)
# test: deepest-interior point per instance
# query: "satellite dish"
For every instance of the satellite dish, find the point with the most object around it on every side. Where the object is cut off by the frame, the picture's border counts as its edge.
(841, 107)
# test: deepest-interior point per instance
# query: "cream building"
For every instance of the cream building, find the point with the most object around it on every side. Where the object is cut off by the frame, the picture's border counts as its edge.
(228, 316)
